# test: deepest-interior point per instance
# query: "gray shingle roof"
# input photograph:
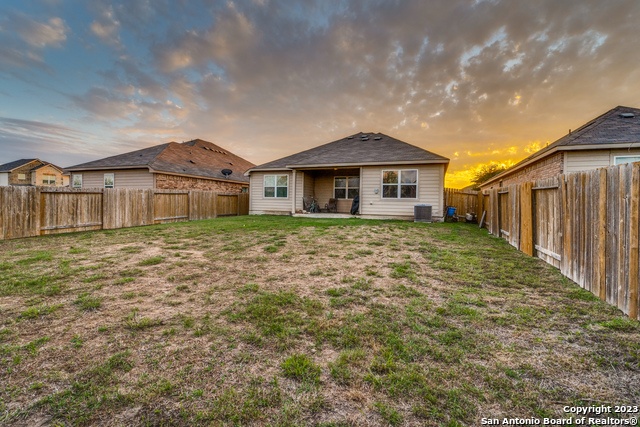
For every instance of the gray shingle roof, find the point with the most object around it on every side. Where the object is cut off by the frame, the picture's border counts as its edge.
(8, 167)
(608, 128)
(134, 158)
(193, 158)
(354, 149)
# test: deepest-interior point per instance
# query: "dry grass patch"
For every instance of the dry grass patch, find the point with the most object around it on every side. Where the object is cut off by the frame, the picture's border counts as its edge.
(293, 321)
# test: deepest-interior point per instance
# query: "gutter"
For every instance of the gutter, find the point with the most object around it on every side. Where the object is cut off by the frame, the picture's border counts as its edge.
(334, 165)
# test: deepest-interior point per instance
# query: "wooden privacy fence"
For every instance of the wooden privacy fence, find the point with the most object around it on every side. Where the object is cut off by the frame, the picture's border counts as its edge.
(34, 211)
(464, 201)
(584, 223)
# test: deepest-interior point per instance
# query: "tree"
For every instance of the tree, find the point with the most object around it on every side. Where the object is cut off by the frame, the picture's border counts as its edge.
(486, 172)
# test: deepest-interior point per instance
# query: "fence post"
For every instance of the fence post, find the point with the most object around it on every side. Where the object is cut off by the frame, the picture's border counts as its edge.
(526, 218)
(602, 235)
(634, 227)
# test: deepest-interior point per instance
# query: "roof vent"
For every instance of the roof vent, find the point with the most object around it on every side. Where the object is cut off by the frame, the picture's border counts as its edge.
(230, 163)
(627, 115)
(364, 139)
(378, 138)
(191, 161)
(226, 172)
(349, 137)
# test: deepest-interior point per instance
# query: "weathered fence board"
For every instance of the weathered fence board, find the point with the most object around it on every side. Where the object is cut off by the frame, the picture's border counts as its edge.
(585, 223)
(464, 201)
(32, 211)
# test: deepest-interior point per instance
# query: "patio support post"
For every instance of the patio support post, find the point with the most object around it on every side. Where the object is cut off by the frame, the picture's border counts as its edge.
(360, 193)
(293, 193)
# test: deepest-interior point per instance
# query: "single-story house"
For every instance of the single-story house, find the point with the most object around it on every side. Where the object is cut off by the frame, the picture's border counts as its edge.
(389, 176)
(192, 165)
(610, 139)
(32, 172)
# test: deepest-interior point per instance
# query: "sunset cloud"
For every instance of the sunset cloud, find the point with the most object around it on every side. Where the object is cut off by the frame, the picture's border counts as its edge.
(478, 82)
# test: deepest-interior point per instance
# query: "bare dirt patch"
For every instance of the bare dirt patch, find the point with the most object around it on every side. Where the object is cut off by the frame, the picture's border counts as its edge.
(406, 324)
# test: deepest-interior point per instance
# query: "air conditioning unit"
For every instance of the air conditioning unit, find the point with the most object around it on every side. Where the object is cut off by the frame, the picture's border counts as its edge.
(422, 213)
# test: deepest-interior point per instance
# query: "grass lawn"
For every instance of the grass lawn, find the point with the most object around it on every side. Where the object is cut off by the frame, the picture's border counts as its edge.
(293, 321)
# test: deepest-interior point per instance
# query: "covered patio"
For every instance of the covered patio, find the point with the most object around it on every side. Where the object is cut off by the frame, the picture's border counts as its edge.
(321, 185)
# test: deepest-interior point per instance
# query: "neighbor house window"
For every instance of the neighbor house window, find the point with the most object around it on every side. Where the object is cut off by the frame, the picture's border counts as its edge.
(346, 187)
(400, 184)
(77, 181)
(276, 186)
(22, 176)
(108, 180)
(618, 160)
(49, 179)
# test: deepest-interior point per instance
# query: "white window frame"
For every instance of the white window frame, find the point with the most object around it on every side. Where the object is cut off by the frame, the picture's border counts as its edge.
(633, 156)
(48, 180)
(275, 187)
(347, 188)
(113, 179)
(23, 175)
(73, 180)
(399, 184)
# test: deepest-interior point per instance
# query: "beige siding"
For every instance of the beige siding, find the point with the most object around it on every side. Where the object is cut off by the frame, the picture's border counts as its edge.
(38, 175)
(127, 178)
(300, 176)
(4, 179)
(305, 184)
(309, 186)
(259, 204)
(576, 161)
(323, 188)
(430, 192)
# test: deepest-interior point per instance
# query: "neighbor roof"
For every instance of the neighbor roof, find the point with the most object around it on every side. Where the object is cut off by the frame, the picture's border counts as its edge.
(361, 148)
(8, 167)
(619, 125)
(195, 158)
(48, 164)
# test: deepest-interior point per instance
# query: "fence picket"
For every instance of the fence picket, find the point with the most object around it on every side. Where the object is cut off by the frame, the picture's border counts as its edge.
(31, 211)
(584, 223)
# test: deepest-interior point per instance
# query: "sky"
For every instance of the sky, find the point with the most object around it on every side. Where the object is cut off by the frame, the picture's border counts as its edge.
(475, 81)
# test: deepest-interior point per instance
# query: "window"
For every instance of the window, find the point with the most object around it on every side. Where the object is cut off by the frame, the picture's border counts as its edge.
(77, 181)
(400, 184)
(276, 186)
(49, 179)
(618, 160)
(346, 187)
(108, 180)
(22, 176)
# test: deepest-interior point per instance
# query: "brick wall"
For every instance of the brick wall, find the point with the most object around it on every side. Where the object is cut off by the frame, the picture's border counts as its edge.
(38, 175)
(545, 168)
(24, 169)
(173, 182)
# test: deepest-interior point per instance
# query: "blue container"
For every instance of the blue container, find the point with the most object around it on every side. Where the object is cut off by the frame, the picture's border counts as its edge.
(451, 211)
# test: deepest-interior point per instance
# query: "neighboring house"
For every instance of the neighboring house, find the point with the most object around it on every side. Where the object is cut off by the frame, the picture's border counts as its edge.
(192, 165)
(610, 139)
(389, 176)
(32, 172)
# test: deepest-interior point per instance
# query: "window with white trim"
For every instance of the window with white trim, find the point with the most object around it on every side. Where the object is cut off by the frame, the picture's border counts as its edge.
(22, 176)
(77, 180)
(618, 160)
(109, 180)
(48, 179)
(276, 186)
(346, 187)
(400, 184)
